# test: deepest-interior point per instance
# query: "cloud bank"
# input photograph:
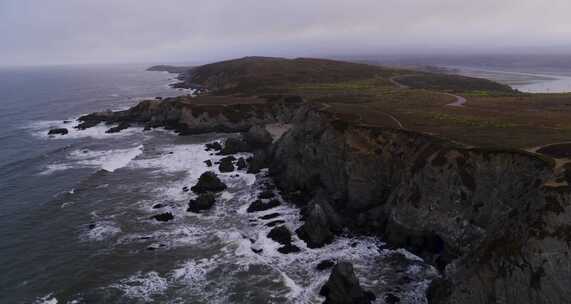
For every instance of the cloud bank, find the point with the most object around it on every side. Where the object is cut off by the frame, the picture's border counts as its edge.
(99, 31)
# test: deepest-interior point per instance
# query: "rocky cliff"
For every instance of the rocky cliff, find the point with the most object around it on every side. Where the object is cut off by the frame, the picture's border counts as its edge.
(188, 118)
(483, 217)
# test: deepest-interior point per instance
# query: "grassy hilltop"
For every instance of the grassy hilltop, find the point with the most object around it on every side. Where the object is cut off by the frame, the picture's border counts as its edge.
(494, 115)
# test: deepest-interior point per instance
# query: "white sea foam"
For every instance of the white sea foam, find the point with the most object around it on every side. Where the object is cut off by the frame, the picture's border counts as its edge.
(103, 230)
(41, 128)
(142, 286)
(192, 272)
(109, 160)
(47, 299)
(52, 168)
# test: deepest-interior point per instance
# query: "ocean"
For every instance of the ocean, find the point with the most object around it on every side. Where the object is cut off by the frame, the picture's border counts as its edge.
(75, 210)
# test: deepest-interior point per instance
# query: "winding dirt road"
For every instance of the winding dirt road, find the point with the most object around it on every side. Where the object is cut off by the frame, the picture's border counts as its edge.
(459, 102)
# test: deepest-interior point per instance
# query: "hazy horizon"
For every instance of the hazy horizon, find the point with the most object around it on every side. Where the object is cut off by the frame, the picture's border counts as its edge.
(95, 32)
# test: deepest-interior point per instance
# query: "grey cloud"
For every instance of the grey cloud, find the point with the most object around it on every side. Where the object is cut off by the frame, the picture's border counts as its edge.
(86, 31)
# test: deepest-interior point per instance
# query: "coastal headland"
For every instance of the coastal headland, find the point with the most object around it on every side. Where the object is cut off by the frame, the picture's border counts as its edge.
(480, 188)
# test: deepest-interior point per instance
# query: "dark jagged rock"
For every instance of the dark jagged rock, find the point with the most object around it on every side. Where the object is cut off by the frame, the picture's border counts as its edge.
(241, 164)
(258, 137)
(275, 223)
(288, 248)
(282, 235)
(208, 182)
(226, 164)
(234, 145)
(259, 161)
(343, 287)
(391, 299)
(163, 217)
(270, 216)
(122, 126)
(67, 121)
(208, 163)
(321, 221)
(473, 213)
(259, 205)
(59, 131)
(203, 202)
(158, 206)
(213, 146)
(326, 264)
(266, 194)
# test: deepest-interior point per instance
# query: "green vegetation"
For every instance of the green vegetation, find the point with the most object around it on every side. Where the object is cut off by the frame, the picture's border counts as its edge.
(495, 116)
(454, 84)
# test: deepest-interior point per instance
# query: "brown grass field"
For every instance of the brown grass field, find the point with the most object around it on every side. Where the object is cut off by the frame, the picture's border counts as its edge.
(493, 117)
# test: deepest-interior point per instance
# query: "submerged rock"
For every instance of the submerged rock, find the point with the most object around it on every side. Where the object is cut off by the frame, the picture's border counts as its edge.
(208, 163)
(163, 217)
(208, 182)
(214, 146)
(343, 287)
(259, 205)
(58, 131)
(226, 164)
(204, 201)
(158, 206)
(326, 264)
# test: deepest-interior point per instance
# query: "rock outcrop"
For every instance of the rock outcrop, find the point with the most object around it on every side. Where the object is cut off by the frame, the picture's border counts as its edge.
(343, 287)
(483, 217)
(58, 131)
(208, 182)
(203, 202)
(187, 118)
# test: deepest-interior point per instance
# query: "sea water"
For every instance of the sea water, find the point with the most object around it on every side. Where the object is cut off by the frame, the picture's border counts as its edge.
(75, 210)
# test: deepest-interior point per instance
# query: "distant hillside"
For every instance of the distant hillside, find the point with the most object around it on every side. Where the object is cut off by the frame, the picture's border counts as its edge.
(256, 74)
(260, 75)
(170, 69)
(453, 83)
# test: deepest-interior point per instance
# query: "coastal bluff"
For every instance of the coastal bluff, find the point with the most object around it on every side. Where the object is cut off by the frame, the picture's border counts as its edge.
(489, 219)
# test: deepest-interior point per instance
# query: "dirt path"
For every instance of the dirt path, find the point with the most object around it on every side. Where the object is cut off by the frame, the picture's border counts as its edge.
(394, 81)
(460, 101)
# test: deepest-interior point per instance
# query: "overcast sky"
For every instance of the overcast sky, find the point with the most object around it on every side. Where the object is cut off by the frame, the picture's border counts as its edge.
(100, 31)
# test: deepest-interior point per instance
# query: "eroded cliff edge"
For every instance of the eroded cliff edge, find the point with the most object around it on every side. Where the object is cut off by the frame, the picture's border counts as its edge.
(483, 217)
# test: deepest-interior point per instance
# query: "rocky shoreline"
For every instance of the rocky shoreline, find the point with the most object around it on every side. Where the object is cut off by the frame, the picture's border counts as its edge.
(484, 218)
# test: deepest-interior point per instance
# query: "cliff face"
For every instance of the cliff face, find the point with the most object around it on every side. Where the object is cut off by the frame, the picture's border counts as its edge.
(483, 217)
(188, 118)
